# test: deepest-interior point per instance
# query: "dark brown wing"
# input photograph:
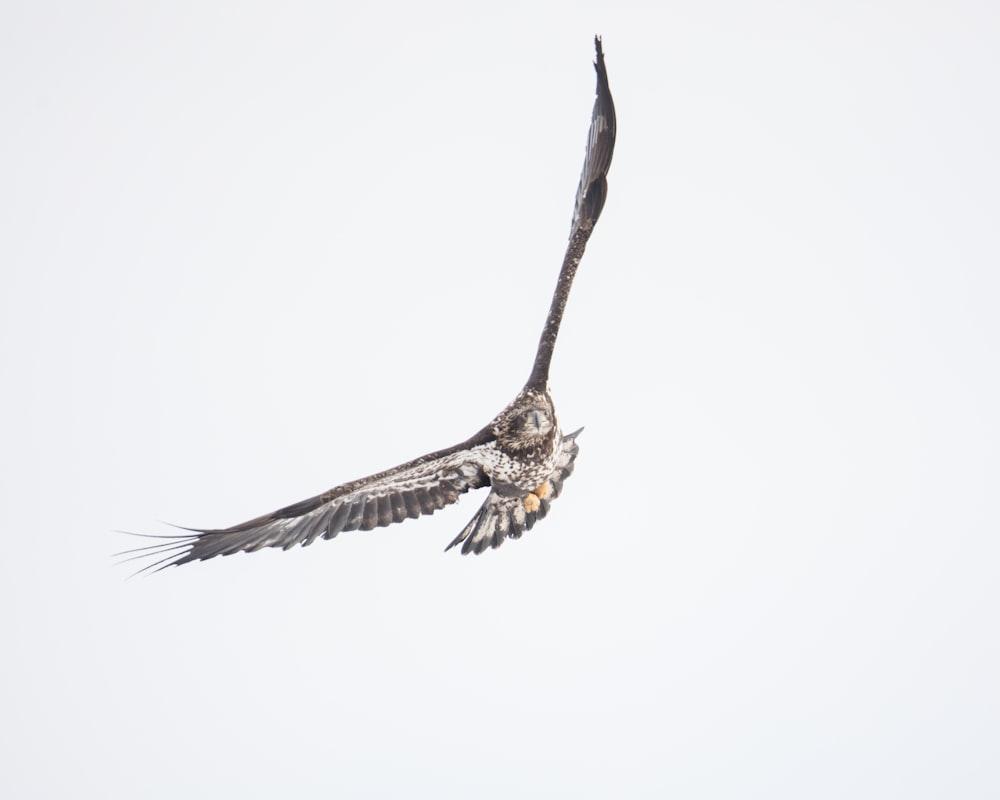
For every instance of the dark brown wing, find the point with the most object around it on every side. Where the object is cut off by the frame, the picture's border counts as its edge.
(593, 188)
(417, 487)
(502, 517)
(590, 197)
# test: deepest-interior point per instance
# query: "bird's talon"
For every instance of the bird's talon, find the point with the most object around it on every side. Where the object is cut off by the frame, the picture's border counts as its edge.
(533, 500)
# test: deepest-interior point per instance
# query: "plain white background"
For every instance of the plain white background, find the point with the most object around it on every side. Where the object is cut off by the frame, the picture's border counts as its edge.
(249, 253)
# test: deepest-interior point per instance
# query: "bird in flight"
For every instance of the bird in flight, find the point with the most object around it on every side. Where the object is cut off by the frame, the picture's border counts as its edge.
(521, 454)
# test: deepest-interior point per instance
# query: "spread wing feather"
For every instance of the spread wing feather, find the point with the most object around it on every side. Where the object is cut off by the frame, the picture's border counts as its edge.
(591, 193)
(418, 487)
(593, 188)
(503, 517)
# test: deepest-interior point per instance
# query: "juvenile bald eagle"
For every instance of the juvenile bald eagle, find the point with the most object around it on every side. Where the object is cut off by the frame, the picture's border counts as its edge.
(522, 455)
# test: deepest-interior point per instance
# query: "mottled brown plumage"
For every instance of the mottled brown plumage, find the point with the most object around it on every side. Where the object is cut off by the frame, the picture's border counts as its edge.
(521, 454)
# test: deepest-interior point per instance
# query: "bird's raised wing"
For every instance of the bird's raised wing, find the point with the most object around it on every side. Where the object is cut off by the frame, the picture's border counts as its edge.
(504, 517)
(417, 487)
(590, 196)
(593, 188)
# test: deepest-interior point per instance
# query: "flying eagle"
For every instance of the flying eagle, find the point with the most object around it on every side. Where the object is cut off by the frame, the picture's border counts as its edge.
(521, 454)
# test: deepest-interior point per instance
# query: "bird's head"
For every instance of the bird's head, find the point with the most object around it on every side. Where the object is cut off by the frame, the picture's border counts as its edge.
(526, 424)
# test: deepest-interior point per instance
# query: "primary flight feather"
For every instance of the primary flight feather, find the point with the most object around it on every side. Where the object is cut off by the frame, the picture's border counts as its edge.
(522, 454)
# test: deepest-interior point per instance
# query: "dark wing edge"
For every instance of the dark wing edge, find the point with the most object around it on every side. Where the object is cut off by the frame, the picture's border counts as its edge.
(593, 188)
(413, 489)
(501, 518)
(591, 193)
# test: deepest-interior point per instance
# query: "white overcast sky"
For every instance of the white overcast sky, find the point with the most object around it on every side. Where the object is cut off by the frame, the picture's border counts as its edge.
(252, 251)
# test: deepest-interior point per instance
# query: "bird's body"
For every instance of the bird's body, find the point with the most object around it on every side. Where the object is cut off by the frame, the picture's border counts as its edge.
(521, 454)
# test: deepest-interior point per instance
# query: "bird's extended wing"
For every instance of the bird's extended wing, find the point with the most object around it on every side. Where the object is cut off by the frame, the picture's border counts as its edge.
(590, 196)
(417, 487)
(504, 517)
(593, 188)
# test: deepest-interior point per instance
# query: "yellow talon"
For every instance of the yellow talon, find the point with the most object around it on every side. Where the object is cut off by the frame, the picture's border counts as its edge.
(533, 500)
